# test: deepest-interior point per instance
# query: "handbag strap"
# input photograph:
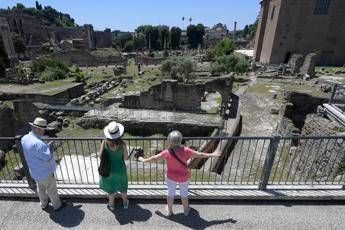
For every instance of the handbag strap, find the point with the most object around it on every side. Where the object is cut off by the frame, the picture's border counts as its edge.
(172, 153)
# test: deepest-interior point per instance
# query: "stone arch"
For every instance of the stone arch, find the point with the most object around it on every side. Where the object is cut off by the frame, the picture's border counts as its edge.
(223, 85)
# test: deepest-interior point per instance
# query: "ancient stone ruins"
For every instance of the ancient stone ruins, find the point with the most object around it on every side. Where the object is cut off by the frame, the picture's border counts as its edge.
(284, 78)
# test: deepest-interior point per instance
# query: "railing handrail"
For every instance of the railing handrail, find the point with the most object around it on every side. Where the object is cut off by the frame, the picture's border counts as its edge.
(193, 138)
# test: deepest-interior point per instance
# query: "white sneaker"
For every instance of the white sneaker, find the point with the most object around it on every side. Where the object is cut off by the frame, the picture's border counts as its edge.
(126, 204)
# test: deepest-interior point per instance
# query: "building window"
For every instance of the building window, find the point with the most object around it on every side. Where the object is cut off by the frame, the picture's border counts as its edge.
(273, 11)
(322, 7)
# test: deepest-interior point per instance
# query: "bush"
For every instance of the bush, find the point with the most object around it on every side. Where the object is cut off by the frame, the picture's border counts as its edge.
(129, 46)
(178, 68)
(49, 69)
(229, 63)
(52, 74)
(222, 48)
(39, 65)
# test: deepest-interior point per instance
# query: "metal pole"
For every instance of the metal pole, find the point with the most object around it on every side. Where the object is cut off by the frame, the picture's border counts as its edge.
(31, 182)
(271, 153)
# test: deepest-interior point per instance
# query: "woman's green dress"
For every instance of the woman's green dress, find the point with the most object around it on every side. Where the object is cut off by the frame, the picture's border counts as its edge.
(117, 180)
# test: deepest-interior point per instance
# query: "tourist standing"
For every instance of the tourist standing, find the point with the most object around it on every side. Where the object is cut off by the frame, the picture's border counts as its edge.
(176, 157)
(41, 164)
(116, 150)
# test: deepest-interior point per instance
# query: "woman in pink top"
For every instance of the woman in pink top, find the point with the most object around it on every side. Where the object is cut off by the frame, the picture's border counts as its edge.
(176, 157)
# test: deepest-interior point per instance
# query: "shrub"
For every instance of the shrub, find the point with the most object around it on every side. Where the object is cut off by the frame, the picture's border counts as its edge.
(229, 63)
(52, 74)
(39, 65)
(222, 48)
(178, 68)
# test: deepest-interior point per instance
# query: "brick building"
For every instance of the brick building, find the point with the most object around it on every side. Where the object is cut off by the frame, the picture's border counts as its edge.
(301, 26)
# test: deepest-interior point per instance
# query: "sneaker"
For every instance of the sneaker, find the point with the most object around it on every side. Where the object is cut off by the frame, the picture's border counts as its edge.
(45, 208)
(168, 212)
(126, 204)
(110, 207)
(63, 204)
(187, 211)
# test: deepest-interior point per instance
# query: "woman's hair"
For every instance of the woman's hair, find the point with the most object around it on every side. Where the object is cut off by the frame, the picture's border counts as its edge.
(117, 142)
(174, 139)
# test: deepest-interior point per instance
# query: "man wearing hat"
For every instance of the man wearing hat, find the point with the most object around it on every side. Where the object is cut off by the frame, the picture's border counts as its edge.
(41, 164)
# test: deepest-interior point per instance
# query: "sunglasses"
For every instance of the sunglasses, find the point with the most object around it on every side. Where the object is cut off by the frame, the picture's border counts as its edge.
(112, 141)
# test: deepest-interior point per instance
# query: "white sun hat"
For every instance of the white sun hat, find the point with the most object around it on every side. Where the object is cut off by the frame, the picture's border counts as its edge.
(113, 130)
(39, 123)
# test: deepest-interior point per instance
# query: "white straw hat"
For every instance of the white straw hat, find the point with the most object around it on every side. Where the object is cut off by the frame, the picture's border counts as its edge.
(113, 130)
(39, 123)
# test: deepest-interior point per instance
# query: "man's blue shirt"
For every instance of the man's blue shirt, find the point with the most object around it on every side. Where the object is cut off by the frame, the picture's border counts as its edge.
(39, 157)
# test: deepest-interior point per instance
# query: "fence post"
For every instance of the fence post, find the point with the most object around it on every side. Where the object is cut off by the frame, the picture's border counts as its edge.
(31, 182)
(271, 153)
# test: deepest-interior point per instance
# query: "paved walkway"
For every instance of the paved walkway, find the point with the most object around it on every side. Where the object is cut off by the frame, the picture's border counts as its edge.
(26, 214)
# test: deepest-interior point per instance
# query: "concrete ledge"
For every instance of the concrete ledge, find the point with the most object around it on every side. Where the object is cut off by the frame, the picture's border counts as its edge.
(195, 193)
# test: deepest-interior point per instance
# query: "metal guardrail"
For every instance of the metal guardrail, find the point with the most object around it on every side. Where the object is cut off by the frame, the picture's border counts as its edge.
(258, 161)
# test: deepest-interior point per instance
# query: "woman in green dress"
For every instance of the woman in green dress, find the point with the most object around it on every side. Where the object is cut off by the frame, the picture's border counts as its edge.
(116, 149)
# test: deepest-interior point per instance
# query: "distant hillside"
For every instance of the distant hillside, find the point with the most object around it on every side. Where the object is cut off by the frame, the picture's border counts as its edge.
(46, 14)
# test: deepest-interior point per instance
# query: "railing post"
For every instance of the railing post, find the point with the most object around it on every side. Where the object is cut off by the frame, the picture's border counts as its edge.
(31, 182)
(271, 153)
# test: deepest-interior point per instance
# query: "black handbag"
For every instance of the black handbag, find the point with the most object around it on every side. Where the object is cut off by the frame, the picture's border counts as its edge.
(103, 168)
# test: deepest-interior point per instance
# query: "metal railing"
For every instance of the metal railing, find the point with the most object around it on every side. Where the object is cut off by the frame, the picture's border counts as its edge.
(258, 161)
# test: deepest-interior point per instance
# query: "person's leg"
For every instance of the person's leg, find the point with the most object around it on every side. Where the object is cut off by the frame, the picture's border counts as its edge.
(125, 200)
(42, 193)
(111, 200)
(171, 194)
(52, 192)
(184, 196)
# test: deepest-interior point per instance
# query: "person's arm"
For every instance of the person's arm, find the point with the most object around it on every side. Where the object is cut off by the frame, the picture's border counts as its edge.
(43, 152)
(125, 152)
(196, 154)
(99, 153)
(153, 158)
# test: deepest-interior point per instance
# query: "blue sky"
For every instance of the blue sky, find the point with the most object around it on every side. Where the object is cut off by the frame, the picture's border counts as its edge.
(128, 14)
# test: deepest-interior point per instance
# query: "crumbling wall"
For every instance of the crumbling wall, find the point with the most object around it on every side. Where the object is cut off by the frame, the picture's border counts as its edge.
(309, 64)
(103, 39)
(172, 95)
(324, 160)
(84, 58)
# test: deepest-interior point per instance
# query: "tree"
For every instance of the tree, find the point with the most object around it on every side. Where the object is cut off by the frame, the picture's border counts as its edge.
(195, 35)
(139, 41)
(49, 69)
(224, 47)
(122, 39)
(129, 46)
(230, 63)
(38, 6)
(20, 6)
(18, 43)
(178, 68)
(164, 36)
(175, 37)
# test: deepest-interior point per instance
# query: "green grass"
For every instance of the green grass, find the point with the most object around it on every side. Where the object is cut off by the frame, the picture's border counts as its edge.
(328, 69)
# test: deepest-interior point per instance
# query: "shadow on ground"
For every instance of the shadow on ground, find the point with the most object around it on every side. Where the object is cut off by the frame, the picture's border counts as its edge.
(135, 213)
(194, 220)
(68, 217)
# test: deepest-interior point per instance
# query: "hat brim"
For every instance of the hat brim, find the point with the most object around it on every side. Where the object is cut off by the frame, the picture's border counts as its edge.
(114, 136)
(39, 127)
